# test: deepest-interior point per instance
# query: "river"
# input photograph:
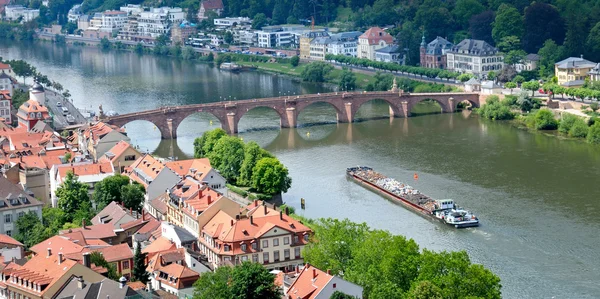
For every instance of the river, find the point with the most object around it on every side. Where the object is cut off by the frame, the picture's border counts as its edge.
(537, 196)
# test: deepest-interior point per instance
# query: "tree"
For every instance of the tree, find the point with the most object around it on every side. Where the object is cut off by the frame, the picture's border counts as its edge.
(576, 35)
(464, 77)
(133, 196)
(425, 290)
(542, 22)
(507, 74)
(579, 129)
(22, 69)
(259, 21)
(491, 75)
(511, 86)
(435, 19)
(347, 80)
(188, 53)
(464, 10)
(340, 295)
(518, 79)
(533, 86)
(566, 122)
(227, 157)
(252, 154)
(270, 176)
(228, 37)
(593, 135)
(295, 60)
(316, 71)
(139, 265)
(26, 225)
(279, 14)
(109, 190)
(252, 280)
(105, 44)
(204, 144)
(593, 43)
(514, 56)
(480, 26)
(71, 195)
(544, 120)
(214, 285)
(97, 259)
(509, 43)
(508, 22)
(549, 54)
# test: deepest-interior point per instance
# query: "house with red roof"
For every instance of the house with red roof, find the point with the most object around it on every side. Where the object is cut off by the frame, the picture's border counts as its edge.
(206, 6)
(153, 175)
(373, 39)
(121, 256)
(89, 173)
(122, 155)
(200, 170)
(98, 138)
(313, 283)
(5, 103)
(10, 248)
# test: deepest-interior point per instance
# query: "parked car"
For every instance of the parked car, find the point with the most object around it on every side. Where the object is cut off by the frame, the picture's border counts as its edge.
(58, 104)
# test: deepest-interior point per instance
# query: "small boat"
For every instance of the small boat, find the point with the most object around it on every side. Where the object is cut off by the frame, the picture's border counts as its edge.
(230, 66)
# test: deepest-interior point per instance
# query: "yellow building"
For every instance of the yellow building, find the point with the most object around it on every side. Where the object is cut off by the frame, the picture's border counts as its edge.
(572, 71)
(305, 41)
(122, 155)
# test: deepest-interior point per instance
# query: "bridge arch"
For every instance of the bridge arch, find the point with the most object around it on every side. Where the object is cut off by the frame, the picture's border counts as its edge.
(242, 111)
(301, 107)
(394, 109)
(199, 121)
(150, 129)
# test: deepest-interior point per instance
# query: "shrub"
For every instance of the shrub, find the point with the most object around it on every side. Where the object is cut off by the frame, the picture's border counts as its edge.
(496, 110)
(294, 61)
(579, 129)
(544, 120)
(594, 134)
(237, 190)
(566, 122)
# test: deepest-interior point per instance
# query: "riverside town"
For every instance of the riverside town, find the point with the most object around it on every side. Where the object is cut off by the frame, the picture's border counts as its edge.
(299, 149)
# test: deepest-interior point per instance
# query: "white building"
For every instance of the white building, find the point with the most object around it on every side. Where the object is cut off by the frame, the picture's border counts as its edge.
(232, 22)
(244, 37)
(108, 21)
(14, 204)
(158, 21)
(10, 249)
(74, 13)
(373, 39)
(5, 103)
(14, 12)
(474, 57)
(87, 172)
(528, 63)
(280, 36)
(345, 43)
(391, 53)
(132, 9)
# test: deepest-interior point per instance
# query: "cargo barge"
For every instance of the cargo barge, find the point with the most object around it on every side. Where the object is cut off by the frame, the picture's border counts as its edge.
(443, 210)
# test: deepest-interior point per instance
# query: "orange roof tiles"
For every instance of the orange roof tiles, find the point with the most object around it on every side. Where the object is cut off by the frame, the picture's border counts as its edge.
(196, 168)
(116, 252)
(148, 166)
(375, 35)
(43, 270)
(151, 225)
(136, 285)
(116, 151)
(99, 231)
(99, 129)
(4, 66)
(57, 244)
(309, 283)
(86, 169)
(160, 244)
(6, 239)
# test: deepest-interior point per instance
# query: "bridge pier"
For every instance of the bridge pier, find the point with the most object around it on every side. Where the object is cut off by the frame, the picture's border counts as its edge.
(231, 125)
(348, 115)
(404, 107)
(290, 118)
(451, 105)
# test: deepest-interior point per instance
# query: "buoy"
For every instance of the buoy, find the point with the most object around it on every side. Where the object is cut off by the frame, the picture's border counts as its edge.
(416, 176)
(211, 122)
(307, 134)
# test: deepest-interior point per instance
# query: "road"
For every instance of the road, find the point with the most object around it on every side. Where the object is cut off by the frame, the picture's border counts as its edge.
(60, 120)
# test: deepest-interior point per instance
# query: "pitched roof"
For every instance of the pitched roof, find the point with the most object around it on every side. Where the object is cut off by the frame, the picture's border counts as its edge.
(575, 63)
(436, 46)
(6, 239)
(159, 203)
(43, 270)
(532, 57)
(116, 151)
(474, 47)
(150, 225)
(98, 130)
(179, 272)
(145, 169)
(389, 49)
(12, 196)
(196, 168)
(212, 4)
(86, 169)
(309, 283)
(375, 35)
(57, 244)
(158, 245)
(33, 106)
(112, 213)
(116, 252)
(98, 231)
(472, 81)
(103, 289)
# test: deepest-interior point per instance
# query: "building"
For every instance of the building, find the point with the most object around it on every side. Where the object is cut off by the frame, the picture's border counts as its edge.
(182, 32)
(157, 207)
(96, 139)
(14, 204)
(313, 283)
(34, 111)
(74, 13)
(262, 235)
(187, 200)
(77, 287)
(207, 6)
(595, 73)
(114, 214)
(153, 175)
(287, 36)
(83, 23)
(475, 57)
(572, 71)
(245, 37)
(6, 68)
(373, 39)
(121, 256)
(110, 21)
(433, 55)
(391, 53)
(6, 83)
(306, 38)
(473, 85)
(345, 43)
(5, 105)
(10, 249)
(528, 63)
(122, 155)
(200, 170)
(490, 87)
(16, 12)
(86, 172)
(170, 272)
(132, 9)
(158, 21)
(232, 22)
(318, 47)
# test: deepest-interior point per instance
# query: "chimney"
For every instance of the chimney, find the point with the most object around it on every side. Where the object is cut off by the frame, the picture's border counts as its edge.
(287, 211)
(314, 273)
(131, 211)
(49, 252)
(237, 217)
(83, 223)
(256, 202)
(328, 271)
(265, 207)
(80, 284)
(143, 214)
(280, 215)
(200, 192)
(581, 56)
(251, 220)
(209, 199)
(231, 222)
(86, 260)
(60, 258)
(297, 269)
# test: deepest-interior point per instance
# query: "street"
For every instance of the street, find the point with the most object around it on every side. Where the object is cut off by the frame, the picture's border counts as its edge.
(60, 118)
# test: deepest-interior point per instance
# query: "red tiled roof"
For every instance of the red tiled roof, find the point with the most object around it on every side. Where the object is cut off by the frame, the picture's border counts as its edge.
(99, 231)
(151, 225)
(117, 151)
(196, 168)
(116, 253)
(147, 165)
(160, 244)
(4, 66)
(309, 283)
(57, 244)
(6, 239)
(136, 285)
(375, 35)
(86, 169)
(212, 4)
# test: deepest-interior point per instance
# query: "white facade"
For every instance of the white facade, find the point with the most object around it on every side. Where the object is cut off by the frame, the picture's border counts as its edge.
(279, 39)
(6, 83)
(74, 13)
(470, 64)
(348, 48)
(132, 9)
(5, 108)
(244, 37)
(13, 12)
(89, 179)
(108, 21)
(10, 253)
(158, 21)
(232, 22)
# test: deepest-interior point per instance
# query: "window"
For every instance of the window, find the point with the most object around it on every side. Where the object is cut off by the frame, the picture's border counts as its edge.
(8, 218)
(286, 254)
(276, 256)
(244, 258)
(130, 158)
(255, 258)
(275, 242)
(286, 240)
(254, 246)
(265, 243)
(9, 233)
(295, 239)
(265, 258)
(297, 252)
(226, 248)
(244, 247)
(306, 237)
(126, 265)
(21, 214)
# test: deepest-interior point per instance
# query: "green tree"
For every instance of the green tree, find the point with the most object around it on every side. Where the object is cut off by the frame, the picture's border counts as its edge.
(495, 110)
(139, 265)
(514, 56)
(133, 196)
(204, 145)
(579, 129)
(252, 154)
(227, 157)
(566, 122)
(425, 290)
(593, 135)
(188, 53)
(316, 71)
(295, 60)
(593, 43)
(105, 44)
(253, 281)
(518, 79)
(22, 69)
(464, 77)
(228, 37)
(549, 54)
(347, 80)
(26, 225)
(71, 195)
(464, 10)
(509, 43)
(480, 26)
(544, 120)
(259, 21)
(139, 48)
(214, 285)
(270, 176)
(340, 295)
(97, 259)
(510, 85)
(542, 22)
(109, 190)
(508, 22)
(533, 86)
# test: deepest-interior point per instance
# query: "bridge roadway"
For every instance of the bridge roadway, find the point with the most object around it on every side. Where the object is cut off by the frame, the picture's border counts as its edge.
(229, 113)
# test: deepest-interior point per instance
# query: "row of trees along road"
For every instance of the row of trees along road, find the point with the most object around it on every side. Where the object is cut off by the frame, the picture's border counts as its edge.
(244, 164)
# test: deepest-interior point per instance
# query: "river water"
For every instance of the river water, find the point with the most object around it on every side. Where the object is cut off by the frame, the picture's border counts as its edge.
(537, 196)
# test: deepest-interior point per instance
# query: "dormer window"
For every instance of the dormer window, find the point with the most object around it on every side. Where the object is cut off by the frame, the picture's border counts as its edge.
(254, 246)
(39, 115)
(244, 247)
(32, 115)
(226, 248)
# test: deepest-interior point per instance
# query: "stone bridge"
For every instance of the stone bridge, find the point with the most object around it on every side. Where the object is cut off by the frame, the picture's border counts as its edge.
(229, 113)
